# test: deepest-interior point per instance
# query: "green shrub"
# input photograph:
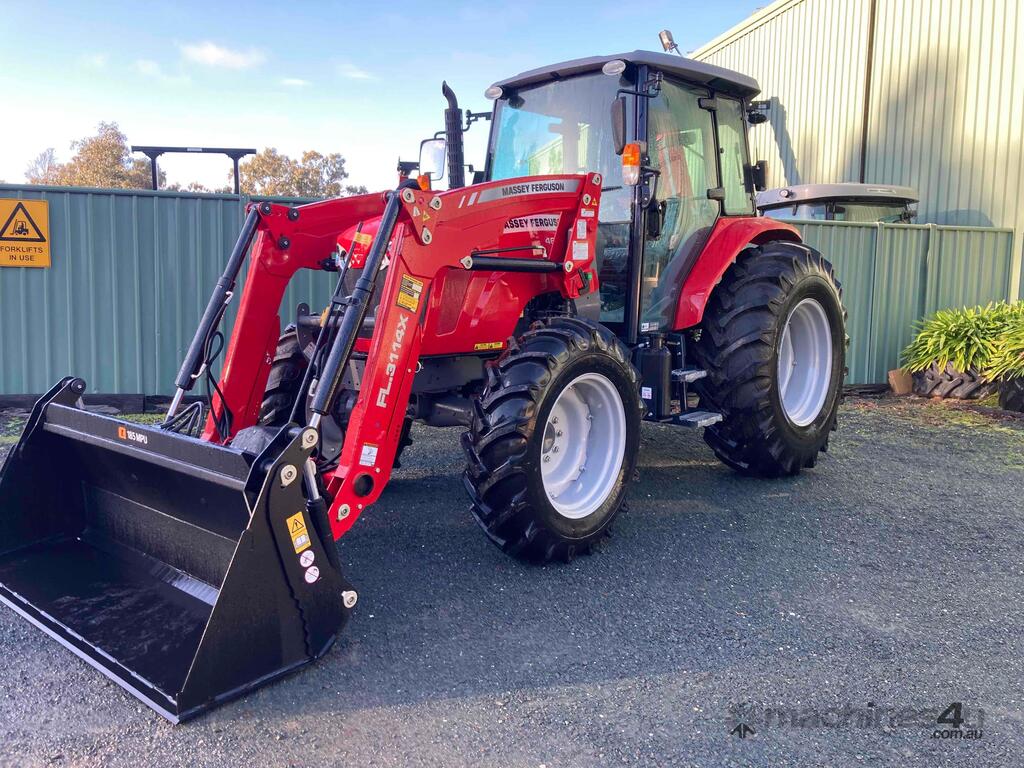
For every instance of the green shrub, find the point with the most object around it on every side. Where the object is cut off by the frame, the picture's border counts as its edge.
(967, 338)
(1007, 359)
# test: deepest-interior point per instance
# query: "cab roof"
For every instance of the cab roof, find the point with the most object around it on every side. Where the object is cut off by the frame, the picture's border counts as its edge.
(716, 78)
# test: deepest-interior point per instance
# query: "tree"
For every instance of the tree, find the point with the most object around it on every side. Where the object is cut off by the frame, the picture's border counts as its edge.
(44, 169)
(103, 160)
(316, 175)
(195, 186)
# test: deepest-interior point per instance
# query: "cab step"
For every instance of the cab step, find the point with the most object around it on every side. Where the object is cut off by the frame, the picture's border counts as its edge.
(688, 375)
(697, 419)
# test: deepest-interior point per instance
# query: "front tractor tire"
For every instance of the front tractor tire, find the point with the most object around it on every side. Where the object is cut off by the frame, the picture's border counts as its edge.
(773, 343)
(553, 441)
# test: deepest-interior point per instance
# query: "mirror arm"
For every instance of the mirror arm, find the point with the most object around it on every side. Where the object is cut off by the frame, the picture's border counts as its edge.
(472, 117)
(648, 90)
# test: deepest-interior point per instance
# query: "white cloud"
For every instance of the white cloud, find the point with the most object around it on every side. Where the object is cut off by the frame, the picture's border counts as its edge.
(213, 55)
(149, 68)
(352, 72)
(294, 82)
(94, 60)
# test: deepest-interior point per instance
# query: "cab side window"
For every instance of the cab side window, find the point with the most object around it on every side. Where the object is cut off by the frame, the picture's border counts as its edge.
(733, 154)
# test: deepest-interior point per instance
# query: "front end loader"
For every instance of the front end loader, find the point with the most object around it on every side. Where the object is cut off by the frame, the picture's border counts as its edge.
(608, 269)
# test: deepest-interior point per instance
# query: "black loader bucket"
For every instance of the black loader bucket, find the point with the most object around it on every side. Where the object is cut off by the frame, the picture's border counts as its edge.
(186, 572)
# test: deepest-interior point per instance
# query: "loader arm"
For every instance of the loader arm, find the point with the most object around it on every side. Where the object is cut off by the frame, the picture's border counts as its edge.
(458, 230)
(287, 240)
(464, 229)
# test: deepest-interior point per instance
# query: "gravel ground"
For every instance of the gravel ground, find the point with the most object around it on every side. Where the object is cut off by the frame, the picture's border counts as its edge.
(883, 583)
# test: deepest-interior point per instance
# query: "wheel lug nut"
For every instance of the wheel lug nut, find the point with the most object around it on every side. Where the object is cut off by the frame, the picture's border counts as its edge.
(559, 433)
(555, 449)
(547, 458)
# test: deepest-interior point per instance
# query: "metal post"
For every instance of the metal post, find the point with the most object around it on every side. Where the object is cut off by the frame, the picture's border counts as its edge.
(153, 152)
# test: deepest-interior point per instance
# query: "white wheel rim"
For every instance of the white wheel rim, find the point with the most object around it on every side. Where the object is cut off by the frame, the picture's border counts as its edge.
(805, 362)
(583, 446)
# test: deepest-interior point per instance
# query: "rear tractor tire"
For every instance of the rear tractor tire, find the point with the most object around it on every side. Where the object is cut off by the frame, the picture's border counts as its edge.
(773, 343)
(553, 441)
(1011, 395)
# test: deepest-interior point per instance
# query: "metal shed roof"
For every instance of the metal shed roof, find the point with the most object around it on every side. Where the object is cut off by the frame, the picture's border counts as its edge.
(716, 78)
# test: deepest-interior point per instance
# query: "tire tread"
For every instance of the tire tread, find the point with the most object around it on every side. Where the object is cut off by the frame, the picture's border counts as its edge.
(504, 421)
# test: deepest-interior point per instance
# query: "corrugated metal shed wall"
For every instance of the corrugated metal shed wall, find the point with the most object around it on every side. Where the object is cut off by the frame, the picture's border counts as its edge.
(132, 272)
(814, 122)
(947, 108)
(946, 112)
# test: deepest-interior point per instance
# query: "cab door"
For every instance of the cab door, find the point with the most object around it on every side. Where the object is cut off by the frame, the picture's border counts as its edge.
(681, 149)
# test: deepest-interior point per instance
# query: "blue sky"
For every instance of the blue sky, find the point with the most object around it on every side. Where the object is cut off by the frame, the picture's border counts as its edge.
(361, 79)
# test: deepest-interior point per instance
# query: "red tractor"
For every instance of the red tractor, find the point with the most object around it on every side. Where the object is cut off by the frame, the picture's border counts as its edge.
(607, 268)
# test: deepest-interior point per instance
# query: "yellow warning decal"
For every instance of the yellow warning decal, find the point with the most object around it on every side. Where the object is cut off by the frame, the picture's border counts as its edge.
(409, 293)
(484, 345)
(362, 238)
(297, 530)
(24, 233)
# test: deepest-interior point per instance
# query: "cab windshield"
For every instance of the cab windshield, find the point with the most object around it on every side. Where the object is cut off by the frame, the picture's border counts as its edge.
(565, 126)
(557, 127)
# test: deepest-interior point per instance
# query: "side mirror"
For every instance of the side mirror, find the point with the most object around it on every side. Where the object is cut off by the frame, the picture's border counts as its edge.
(619, 124)
(757, 112)
(759, 175)
(432, 157)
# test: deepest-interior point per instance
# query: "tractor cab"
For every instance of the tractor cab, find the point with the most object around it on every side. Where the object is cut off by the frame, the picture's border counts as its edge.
(668, 137)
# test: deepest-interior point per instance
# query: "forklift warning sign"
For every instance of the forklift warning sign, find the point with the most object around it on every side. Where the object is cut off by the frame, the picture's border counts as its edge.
(297, 530)
(24, 233)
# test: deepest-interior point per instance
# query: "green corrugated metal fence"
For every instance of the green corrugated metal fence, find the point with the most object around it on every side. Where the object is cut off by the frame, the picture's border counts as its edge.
(894, 274)
(132, 271)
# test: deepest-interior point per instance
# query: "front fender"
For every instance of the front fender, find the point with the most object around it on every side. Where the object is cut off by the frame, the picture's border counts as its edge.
(727, 239)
